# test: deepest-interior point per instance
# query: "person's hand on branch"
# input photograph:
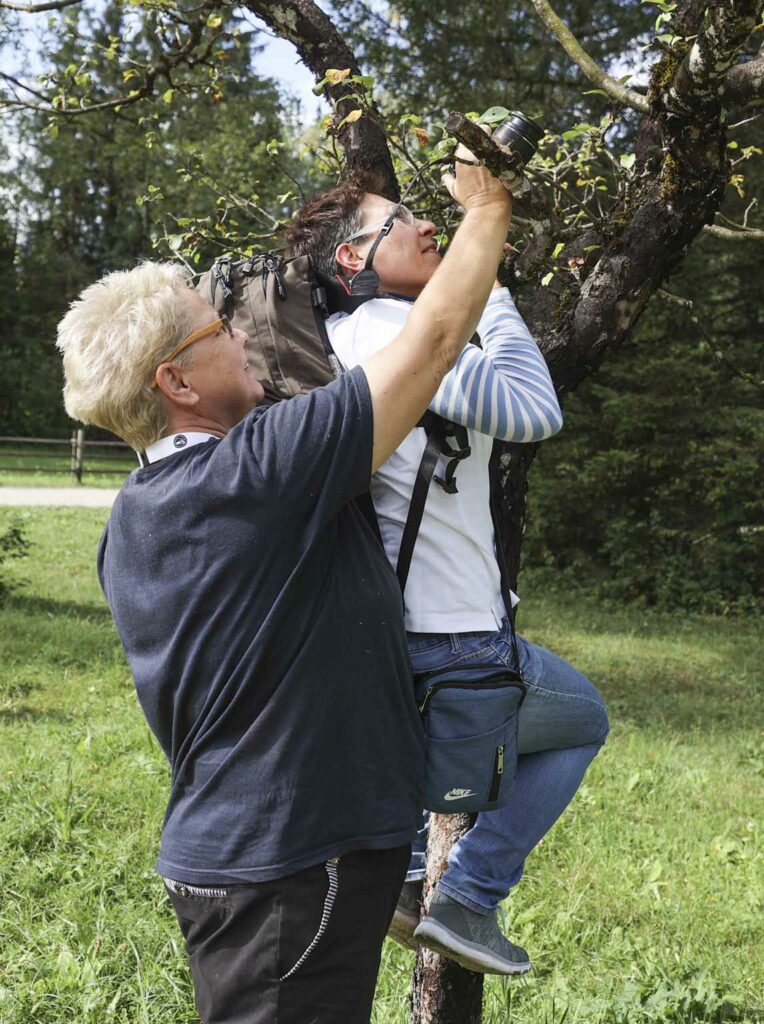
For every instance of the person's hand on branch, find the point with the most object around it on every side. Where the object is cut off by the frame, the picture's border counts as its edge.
(472, 185)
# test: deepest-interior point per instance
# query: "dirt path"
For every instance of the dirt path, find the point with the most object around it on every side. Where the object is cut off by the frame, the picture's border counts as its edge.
(88, 497)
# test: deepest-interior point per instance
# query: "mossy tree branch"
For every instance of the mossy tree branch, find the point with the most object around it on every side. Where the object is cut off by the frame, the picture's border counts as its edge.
(615, 89)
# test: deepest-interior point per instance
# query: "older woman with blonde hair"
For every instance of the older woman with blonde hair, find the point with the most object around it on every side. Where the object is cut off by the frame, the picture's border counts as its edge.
(263, 624)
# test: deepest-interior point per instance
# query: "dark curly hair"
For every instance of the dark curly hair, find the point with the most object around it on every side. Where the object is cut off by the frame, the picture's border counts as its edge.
(327, 220)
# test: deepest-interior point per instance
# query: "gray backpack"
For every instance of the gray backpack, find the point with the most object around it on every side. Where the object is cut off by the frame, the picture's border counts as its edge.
(282, 306)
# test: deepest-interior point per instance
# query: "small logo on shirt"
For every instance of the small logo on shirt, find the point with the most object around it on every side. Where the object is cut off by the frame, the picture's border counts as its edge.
(458, 794)
(180, 441)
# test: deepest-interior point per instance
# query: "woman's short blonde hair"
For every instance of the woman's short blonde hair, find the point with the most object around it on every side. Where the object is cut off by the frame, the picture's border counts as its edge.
(112, 340)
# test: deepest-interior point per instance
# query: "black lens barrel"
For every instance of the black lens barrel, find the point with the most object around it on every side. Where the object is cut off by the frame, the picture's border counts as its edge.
(520, 134)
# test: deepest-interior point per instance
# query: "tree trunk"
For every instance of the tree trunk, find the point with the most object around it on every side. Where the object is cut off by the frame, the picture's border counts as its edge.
(442, 992)
(510, 465)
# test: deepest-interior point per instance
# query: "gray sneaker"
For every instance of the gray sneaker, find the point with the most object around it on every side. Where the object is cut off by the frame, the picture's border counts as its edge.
(472, 939)
(406, 916)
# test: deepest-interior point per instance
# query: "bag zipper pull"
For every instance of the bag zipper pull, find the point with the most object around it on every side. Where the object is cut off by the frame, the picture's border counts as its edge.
(272, 267)
(426, 700)
(500, 760)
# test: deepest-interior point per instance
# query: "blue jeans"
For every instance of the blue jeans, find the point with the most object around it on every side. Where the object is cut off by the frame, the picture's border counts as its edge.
(561, 726)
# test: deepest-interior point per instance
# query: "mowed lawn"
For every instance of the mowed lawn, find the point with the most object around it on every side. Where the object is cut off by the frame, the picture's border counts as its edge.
(644, 904)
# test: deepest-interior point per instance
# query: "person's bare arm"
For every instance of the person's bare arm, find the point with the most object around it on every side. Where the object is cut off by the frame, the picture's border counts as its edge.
(405, 375)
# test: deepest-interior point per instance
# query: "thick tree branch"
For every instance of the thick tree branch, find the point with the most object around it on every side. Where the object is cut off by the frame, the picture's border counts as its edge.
(701, 77)
(321, 48)
(51, 5)
(745, 82)
(735, 235)
(592, 70)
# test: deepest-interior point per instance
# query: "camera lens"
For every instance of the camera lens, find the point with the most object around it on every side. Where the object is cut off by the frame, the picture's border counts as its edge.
(520, 134)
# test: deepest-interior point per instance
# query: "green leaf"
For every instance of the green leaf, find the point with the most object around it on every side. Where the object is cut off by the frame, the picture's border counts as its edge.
(557, 250)
(577, 130)
(167, 95)
(627, 160)
(493, 115)
(547, 278)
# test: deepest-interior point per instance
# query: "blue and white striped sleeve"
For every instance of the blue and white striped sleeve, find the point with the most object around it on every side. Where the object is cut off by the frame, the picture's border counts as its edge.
(503, 390)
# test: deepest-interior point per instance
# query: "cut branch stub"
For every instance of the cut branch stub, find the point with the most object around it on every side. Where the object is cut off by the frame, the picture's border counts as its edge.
(498, 159)
(502, 162)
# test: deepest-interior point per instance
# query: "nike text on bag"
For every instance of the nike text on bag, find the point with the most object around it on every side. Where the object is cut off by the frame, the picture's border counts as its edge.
(469, 713)
(281, 305)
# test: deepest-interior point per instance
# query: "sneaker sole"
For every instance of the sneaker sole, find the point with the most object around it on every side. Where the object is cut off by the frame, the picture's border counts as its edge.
(401, 929)
(468, 954)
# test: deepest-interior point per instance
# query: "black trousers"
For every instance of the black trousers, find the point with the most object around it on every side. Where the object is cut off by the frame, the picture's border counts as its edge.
(304, 949)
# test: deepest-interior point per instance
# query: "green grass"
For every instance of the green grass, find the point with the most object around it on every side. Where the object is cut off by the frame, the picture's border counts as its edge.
(43, 466)
(644, 904)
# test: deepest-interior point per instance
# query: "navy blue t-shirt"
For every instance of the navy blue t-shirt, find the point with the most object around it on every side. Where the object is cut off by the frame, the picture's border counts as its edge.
(264, 629)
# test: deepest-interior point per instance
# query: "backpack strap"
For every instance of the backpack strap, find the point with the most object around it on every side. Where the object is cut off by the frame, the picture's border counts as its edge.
(454, 455)
(438, 433)
(506, 590)
(416, 506)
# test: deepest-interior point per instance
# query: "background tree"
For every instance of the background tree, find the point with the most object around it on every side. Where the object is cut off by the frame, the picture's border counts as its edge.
(98, 191)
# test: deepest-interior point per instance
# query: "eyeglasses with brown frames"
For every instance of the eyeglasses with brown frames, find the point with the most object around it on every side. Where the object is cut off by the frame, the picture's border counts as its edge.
(222, 324)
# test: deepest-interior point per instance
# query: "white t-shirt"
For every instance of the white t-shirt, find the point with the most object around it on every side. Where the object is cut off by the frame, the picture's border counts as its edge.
(454, 584)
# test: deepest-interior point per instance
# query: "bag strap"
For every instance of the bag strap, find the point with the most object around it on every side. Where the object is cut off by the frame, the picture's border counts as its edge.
(506, 590)
(438, 432)
(416, 507)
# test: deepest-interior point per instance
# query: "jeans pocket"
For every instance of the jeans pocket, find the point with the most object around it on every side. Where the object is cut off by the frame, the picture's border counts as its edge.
(426, 645)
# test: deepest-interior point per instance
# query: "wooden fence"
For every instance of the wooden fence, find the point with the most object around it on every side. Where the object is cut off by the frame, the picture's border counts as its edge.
(77, 456)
